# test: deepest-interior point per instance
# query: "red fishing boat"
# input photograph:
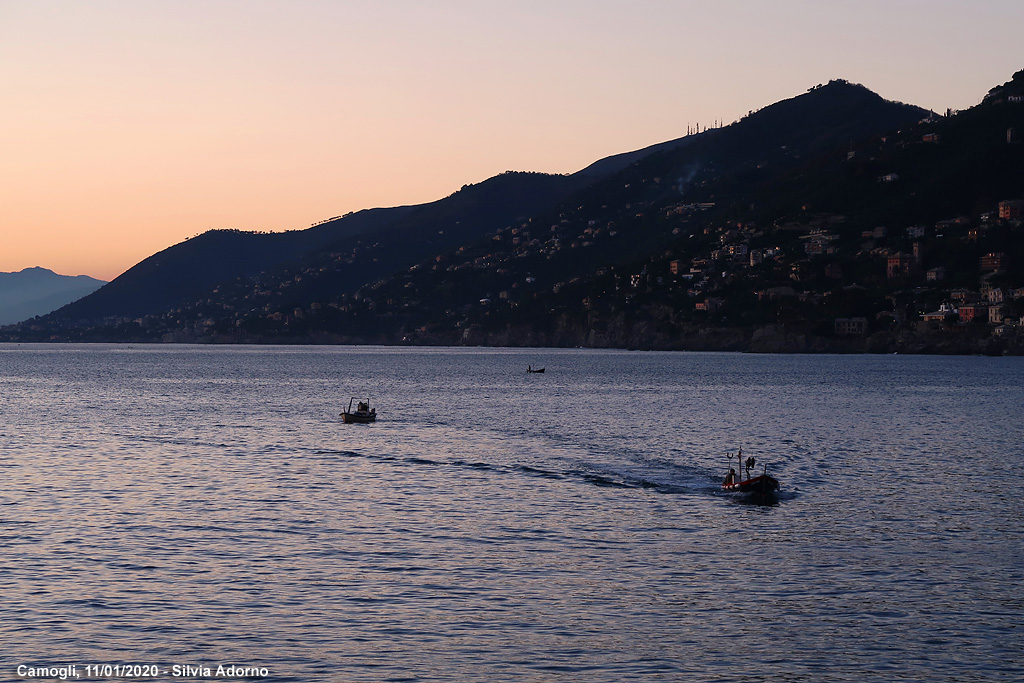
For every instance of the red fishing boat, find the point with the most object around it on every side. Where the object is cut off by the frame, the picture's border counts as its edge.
(757, 488)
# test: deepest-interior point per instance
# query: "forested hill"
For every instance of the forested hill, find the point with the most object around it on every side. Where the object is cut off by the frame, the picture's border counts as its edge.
(192, 269)
(756, 235)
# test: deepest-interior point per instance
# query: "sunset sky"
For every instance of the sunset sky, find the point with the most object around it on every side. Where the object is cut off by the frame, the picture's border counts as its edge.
(127, 126)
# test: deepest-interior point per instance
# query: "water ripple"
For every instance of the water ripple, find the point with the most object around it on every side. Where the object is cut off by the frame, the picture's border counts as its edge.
(197, 505)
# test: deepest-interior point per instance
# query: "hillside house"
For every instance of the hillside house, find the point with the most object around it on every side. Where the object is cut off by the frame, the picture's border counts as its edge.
(899, 264)
(950, 223)
(811, 297)
(915, 231)
(964, 295)
(993, 262)
(737, 251)
(875, 233)
(775, 293)
(970, 312)
(1011, 210)
(818, 243)
(851, 327)
(945, 310)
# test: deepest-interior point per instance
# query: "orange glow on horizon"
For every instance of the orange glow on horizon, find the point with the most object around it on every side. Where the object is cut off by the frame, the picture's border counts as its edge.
(128, 127)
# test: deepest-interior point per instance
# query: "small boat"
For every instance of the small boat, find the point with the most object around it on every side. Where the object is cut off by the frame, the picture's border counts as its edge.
(759, 488)
(362, 414)
(530, 368)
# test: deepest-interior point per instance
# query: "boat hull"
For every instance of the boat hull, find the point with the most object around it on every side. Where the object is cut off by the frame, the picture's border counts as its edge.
(760, 488)
(355, 418)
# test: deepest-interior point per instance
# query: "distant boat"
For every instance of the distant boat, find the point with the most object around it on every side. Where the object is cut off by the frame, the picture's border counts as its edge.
(529, 368)
(361, 415)
(760, 488)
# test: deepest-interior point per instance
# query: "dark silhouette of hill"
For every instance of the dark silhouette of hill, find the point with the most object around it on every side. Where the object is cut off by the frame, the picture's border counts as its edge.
(617, 162)
(37, 291)
(925, 189)
(187, 270)
(472, 214)
(192, 268)
(940, 167)
(649, 249)
(621, 219)
(773, 144)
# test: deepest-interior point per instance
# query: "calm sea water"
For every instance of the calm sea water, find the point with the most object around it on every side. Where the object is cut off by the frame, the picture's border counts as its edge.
(203, 506)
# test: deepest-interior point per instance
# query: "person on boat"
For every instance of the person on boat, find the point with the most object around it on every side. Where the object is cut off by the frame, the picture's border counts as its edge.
(730, 478)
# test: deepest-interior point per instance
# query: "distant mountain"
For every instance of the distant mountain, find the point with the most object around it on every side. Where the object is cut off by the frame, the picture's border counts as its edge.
(38, 291)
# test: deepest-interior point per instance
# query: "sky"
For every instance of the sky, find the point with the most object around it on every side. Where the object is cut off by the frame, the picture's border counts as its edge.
(127, 126)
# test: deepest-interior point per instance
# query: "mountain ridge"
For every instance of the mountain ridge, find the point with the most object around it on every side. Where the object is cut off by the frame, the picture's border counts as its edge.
(590, 265)
(199, 264)
(37, 291)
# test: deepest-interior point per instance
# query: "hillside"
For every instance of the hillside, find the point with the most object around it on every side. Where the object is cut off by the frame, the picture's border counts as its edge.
(401, 235)
(835, 205)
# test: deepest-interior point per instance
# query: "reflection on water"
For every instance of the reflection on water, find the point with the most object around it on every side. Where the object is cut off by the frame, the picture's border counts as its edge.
(198, 505)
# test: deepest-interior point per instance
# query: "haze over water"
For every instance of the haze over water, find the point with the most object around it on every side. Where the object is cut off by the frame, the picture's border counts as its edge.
(176, 505)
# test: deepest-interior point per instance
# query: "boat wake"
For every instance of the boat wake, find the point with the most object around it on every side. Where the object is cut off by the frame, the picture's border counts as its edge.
(585, 474)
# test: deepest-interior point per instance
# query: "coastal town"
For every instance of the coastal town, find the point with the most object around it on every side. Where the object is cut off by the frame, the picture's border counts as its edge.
(904, 241)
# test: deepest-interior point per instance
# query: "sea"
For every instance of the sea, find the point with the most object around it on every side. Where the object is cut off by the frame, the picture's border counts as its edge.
(202, 513)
